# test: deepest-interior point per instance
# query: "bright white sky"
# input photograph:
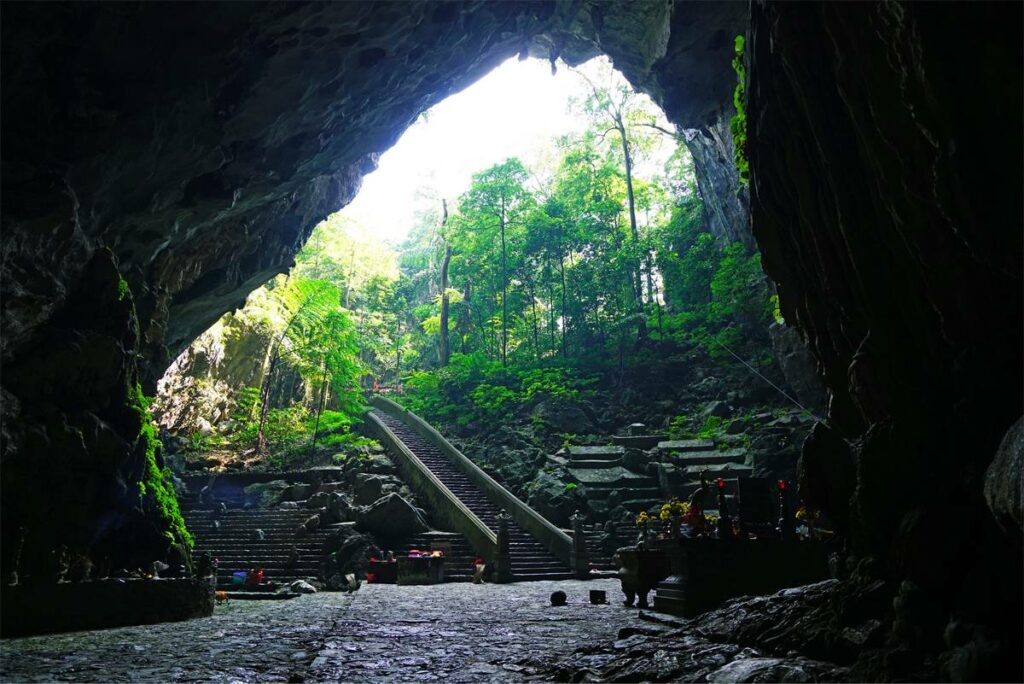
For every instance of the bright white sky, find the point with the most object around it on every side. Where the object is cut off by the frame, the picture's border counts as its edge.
(516, 110)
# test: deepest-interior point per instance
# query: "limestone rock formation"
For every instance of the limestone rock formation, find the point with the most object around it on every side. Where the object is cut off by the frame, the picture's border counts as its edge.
(726, 201)
(892, 231)
(391, 516)
(1004, 481)
(799, 367)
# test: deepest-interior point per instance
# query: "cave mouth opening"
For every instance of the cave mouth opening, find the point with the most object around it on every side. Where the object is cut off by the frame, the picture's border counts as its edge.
(552, 221)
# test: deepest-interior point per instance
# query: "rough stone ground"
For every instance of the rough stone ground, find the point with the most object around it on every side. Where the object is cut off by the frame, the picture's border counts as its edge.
(452, 632)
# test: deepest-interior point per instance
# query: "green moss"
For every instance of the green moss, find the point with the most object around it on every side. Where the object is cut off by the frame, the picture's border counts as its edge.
(712, 425)
(122, 289)
(156, 483)
(738, 123)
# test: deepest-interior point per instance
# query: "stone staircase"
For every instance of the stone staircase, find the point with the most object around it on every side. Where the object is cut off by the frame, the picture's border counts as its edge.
(232, 541)
(595, 456)
(529, 559)
(633, 491)
(600, 549)
(683, 461)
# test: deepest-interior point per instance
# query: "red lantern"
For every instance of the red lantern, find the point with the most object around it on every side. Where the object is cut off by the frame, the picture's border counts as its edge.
(782, 485)
(721, 483)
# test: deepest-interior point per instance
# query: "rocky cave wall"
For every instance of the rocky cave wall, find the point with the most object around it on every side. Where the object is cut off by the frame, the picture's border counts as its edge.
(200, 144)
(885, 157)
(726, 200)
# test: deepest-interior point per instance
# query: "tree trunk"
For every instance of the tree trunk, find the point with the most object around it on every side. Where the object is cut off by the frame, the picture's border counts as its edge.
(398, 353)
(319, 407)
(465, 326)
(504, 290)
(261, 435)
(444, 350)
(536, 330)
(551, 314)
(641, 328)
(565, 312)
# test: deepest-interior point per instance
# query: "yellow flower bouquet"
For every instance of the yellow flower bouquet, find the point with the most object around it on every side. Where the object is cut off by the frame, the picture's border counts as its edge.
(674, 508)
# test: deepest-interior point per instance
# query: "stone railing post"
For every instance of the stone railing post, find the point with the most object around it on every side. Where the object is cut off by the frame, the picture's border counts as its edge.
(503, 562)
(580, 557)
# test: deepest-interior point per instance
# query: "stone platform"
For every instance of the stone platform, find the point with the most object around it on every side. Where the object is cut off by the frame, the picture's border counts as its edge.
(106, 603)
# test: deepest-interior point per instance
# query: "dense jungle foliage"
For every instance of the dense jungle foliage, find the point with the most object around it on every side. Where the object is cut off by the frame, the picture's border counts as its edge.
(538, 283)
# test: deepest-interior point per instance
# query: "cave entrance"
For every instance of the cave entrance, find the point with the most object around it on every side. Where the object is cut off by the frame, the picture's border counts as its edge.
(589, 279)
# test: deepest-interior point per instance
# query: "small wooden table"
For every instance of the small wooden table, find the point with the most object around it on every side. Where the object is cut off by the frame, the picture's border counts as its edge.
(420, 570)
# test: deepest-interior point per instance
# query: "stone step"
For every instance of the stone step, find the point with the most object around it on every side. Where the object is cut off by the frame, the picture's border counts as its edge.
(697, 458)
(631, 493)
(724, 470)
(266, 547)
(290, 530)
(595, 453)
(542, 576)
(685, 445)
(642, 442)
(595, 464)
(256, 596)
(599, 490)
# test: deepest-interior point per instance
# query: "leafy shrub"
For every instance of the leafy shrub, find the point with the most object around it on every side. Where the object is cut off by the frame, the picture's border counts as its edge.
(556, 384)
(678, 428)
(493, 400)
(712, 425)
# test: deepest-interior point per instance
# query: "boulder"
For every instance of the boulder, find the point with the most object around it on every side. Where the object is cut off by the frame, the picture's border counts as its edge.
(563, 418)
(670, 479)
(337, 509)
(318, 500)
(367, 488)
(549, 496)
(302, 587)
(265, 494)
(369, 463)
(348, 552)
(391, 516)
(736, 427)
(298, 492)
(636, 460)
(718, 409)
(1004, 486)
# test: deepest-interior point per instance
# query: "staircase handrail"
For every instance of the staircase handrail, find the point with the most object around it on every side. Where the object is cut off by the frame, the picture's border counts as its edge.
(458, 516)
(554, 539)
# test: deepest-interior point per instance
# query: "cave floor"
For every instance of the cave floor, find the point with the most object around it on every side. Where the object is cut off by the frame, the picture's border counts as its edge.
(456, 632)
(452, 632)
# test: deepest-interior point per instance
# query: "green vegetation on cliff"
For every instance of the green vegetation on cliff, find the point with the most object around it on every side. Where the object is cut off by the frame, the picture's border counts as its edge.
(738, 123)
(156, 489)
